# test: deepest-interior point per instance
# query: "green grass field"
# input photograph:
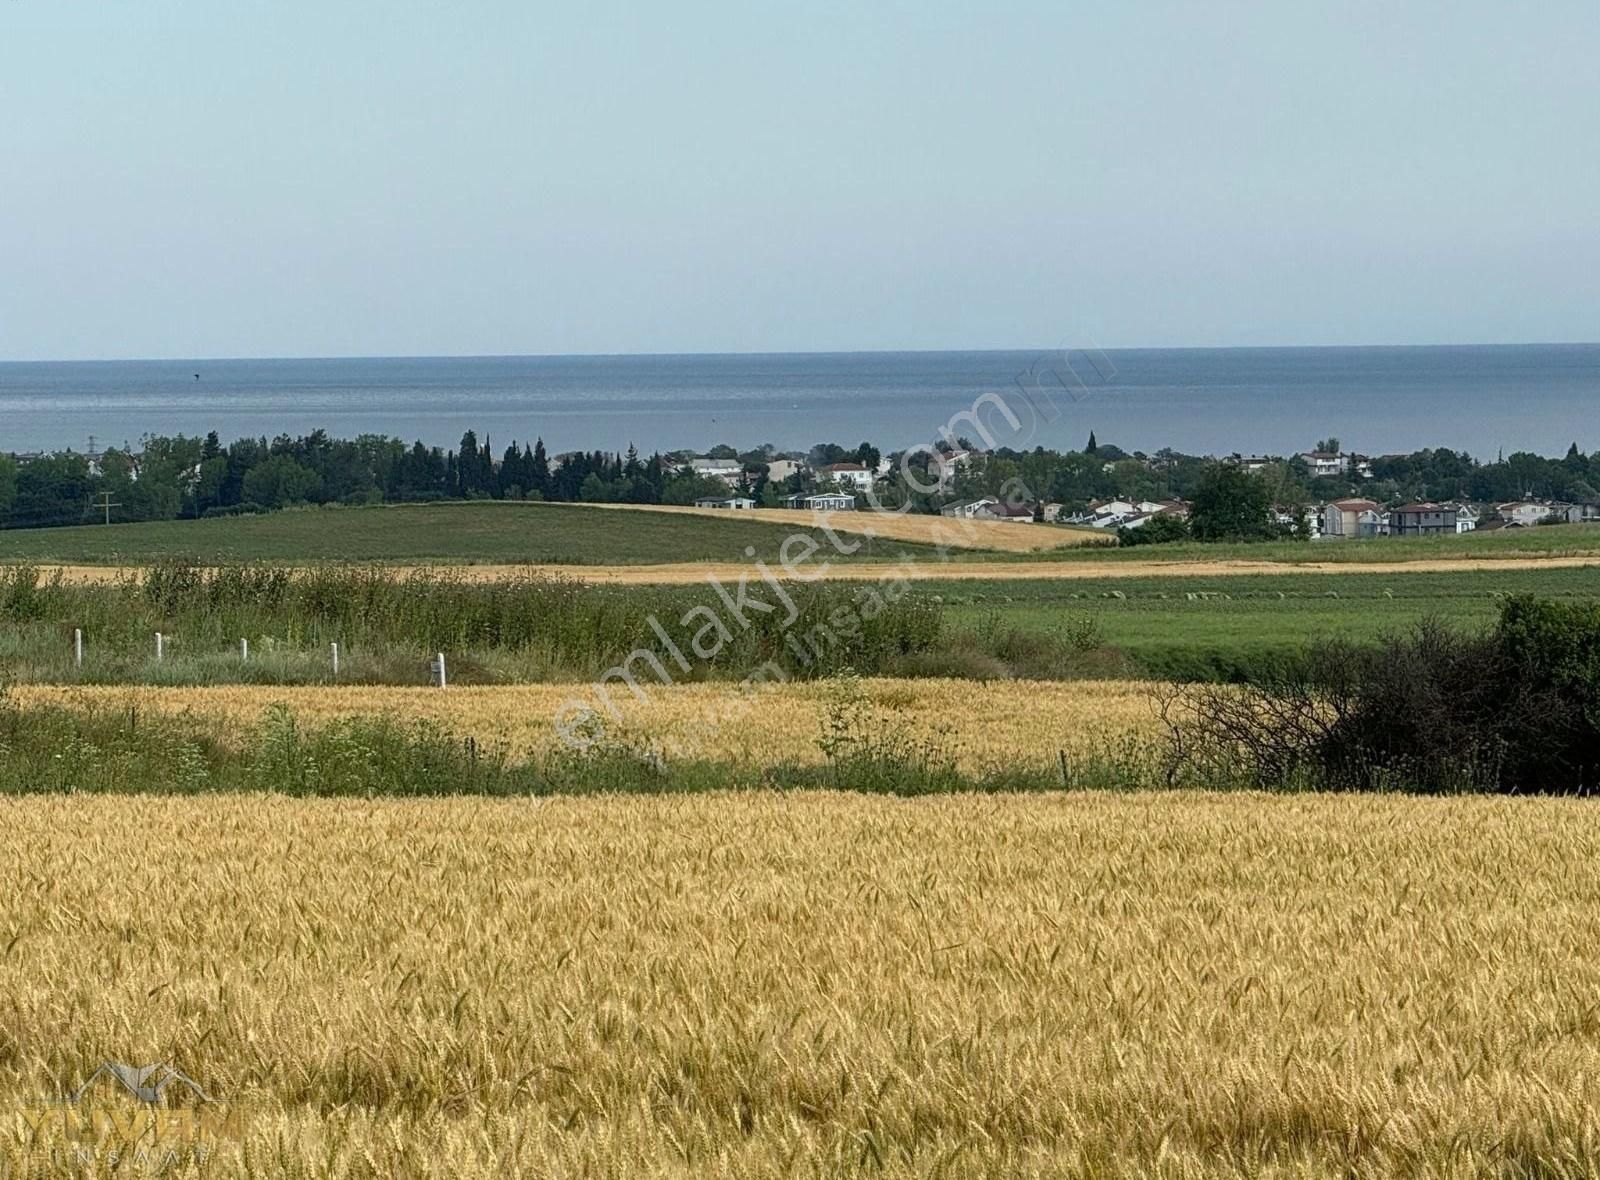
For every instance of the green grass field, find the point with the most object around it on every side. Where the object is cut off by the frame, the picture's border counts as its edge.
(487, 532)
(1192, 626)
(576, 534)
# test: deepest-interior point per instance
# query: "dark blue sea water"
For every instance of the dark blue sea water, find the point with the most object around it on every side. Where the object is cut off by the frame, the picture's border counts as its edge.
(1273, 400)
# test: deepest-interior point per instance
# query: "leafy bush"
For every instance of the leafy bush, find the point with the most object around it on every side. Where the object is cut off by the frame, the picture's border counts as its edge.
(1158, 530)
(867, 751)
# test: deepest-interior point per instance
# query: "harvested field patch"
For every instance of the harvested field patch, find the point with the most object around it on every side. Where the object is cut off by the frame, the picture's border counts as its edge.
(994, 535)
(984, 725)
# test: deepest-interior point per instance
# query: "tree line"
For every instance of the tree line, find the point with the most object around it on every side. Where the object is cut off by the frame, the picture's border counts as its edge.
(189, 477)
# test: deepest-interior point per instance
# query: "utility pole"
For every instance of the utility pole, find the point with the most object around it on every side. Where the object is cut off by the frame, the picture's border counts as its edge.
(108, 504)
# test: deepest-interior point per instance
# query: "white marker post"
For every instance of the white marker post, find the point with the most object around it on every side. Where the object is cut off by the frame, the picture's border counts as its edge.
(335, 659)
(244, 649)
(439, 668)
(77, 646)
(158, 647)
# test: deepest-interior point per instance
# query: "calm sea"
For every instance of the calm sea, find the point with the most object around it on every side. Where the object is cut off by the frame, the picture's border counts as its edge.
(1274, 400)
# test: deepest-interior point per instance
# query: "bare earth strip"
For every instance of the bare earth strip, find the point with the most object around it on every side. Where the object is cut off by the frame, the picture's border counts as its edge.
(983, 725)
(727, 571)
(818, 984)
(994, 535)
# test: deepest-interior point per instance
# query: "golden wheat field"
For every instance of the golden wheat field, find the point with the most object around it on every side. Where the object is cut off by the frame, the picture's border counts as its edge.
(994, 535)
(821, 984)
(982, 724)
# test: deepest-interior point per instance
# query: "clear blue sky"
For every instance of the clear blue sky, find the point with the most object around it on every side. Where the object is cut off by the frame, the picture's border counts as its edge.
(279, 177)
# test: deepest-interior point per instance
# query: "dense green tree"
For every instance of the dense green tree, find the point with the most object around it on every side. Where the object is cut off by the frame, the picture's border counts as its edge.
(1231, 505)
(8, 487)
(281, 481)
(52, 490)
(539, 470)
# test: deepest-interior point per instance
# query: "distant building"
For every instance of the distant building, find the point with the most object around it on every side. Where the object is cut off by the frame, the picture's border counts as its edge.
(823, 501)
(999, 510)
(732, 503)
(853, 475)
(943, 468)
(1109, 514)
(1428, 519)
(1288, 517)
(1529, 512)
(967, 509)
(1325, 463)
(1341, 519)
(729, 471)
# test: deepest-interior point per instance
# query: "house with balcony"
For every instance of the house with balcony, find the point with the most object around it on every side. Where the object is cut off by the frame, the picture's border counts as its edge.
(1341, 519)
(1429, 519)
(854, 476)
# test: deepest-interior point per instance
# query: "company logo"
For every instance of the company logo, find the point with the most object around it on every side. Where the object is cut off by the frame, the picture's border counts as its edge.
(135, 1079)
(133, 1116)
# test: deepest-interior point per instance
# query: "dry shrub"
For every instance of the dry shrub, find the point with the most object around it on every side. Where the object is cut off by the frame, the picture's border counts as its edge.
(1434, 710)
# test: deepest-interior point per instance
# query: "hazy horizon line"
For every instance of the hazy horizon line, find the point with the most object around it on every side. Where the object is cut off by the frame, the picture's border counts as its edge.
(441, 356)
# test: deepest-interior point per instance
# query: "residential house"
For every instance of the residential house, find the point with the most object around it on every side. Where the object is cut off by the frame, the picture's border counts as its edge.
(851, 475)
(999, 510)
(1288, 517)
(1097, 509)
(1323, 463)
(1052, 512)
(1137, 520)
(1342, 518)
(729, 471)
(822, 501)
(1426, 519)
(1528, 512)
(943, 468)
(1583, 514)
(1372, 523)
(781, 469)
(733, 503)
(1254, 464)
(967, 509)
(1106, 514)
